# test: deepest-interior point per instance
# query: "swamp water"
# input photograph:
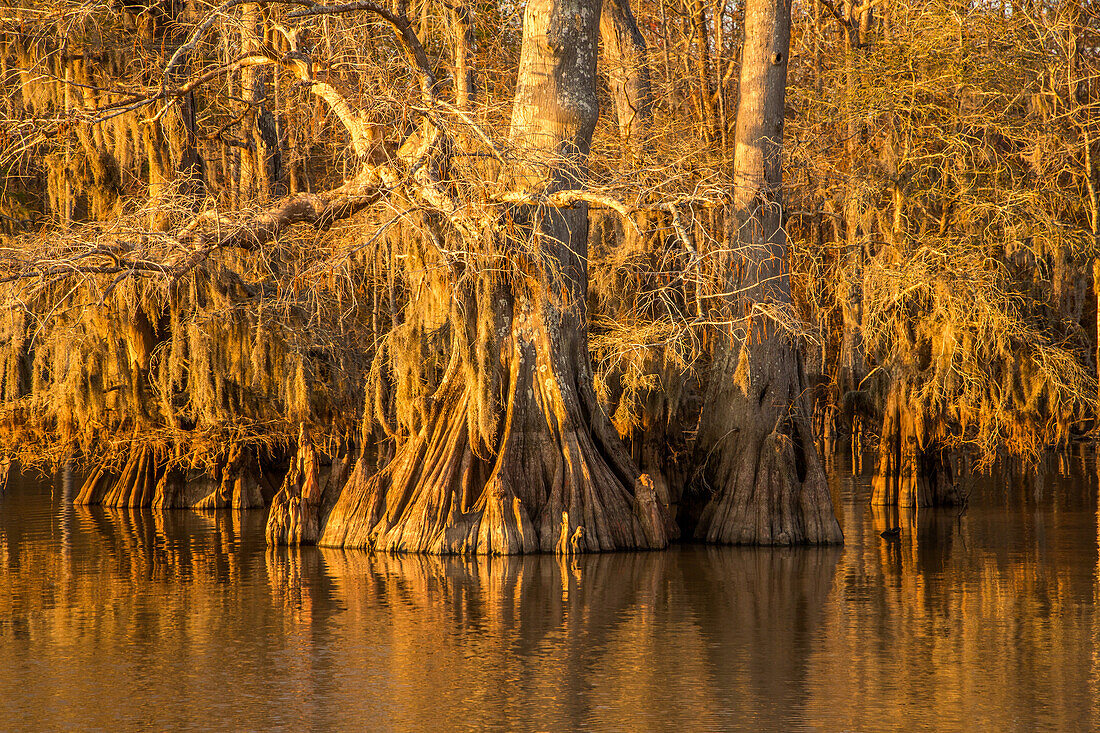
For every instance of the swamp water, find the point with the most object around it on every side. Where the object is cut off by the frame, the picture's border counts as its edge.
(987, 619)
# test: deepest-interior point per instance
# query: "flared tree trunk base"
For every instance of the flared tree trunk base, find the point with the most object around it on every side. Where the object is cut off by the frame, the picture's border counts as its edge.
(761, 481)
(145, 481)
(558, 479)
(135, 486)
(238, 487)
(538, 495)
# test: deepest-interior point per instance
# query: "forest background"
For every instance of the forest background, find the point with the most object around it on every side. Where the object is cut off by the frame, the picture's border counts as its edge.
(356, 263)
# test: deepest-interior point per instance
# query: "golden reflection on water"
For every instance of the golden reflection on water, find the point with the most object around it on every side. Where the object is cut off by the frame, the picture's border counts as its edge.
(982, 619)
(597, 642)
(1094, 679)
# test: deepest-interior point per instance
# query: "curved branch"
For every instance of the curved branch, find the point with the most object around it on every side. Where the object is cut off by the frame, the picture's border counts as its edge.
(362, 132)
(207, 233)
(321, 210)
(566, 198)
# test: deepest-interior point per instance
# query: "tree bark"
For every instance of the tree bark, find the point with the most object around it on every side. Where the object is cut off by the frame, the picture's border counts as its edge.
(627, 71)
(146, 481)
(135, 486)
(465, 83)
(759, 480)
(515, 454)
(701, 31)
(296, 509)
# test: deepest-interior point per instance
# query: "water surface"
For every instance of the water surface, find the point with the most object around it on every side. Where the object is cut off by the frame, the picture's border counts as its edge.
(137, 620)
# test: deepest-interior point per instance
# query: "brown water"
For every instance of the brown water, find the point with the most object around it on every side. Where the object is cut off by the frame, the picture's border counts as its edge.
(987, 620)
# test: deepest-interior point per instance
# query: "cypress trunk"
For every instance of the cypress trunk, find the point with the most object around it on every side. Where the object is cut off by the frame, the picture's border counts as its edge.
(627, 75)
(760, 480)
(515, 454)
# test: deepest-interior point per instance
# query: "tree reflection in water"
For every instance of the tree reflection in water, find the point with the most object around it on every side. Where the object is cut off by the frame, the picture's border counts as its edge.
(982, 618)
(635, 641)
